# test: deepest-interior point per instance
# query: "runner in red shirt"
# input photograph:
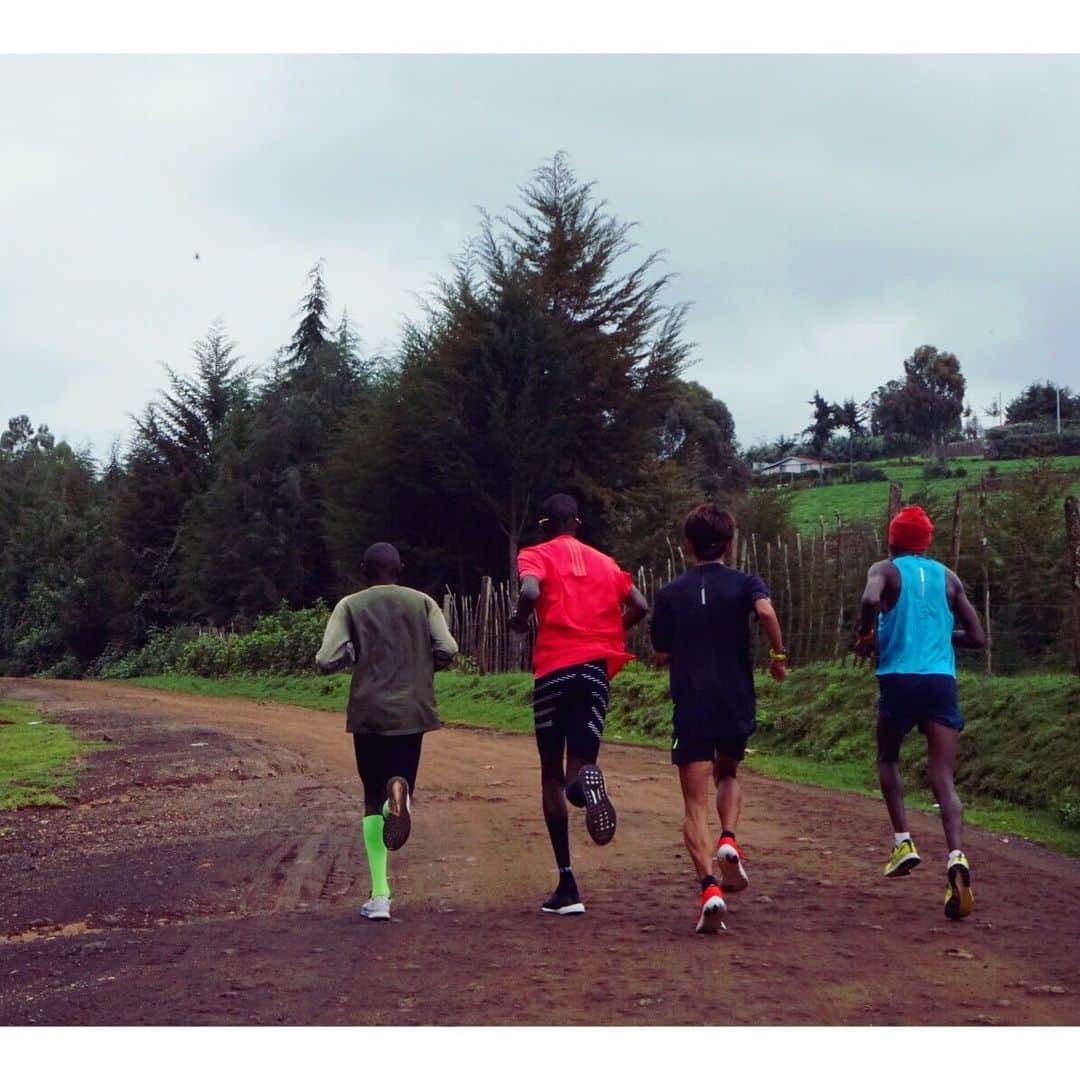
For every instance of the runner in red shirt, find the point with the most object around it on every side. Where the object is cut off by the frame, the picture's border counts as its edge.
(584, 605)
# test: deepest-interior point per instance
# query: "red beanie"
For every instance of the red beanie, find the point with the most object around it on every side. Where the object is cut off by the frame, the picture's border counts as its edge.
(911, 529)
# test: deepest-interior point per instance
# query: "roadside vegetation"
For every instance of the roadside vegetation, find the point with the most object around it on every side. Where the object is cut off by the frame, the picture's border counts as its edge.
(36, 758)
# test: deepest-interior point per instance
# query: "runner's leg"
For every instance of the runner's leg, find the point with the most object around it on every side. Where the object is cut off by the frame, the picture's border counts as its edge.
(888, 764)
(553, 800)
(695, 778)
(370, 753)
(401, 764)
(729, 796)
(941, 742)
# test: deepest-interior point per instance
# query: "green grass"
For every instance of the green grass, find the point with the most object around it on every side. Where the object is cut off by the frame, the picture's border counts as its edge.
(36, 758)
(869, 501)
(1018, 768)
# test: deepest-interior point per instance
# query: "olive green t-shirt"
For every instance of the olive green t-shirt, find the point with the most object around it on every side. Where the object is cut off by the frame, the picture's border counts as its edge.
(394, 639)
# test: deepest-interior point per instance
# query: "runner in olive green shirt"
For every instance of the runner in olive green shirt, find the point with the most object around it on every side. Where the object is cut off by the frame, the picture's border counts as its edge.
(394, 639)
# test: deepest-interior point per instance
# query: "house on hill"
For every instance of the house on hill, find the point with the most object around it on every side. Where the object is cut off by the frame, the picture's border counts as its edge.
(792, 465)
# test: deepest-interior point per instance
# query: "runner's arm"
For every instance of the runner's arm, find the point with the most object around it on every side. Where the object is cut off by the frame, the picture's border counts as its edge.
(635, 608)
(337, 650)
(527, 598)
(770, 623)
(877, 581)
(971, 634)
(443, 646)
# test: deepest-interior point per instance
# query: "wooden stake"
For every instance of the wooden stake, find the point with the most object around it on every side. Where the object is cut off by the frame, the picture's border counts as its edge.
(956, 522)
(1072, 539)
(986, 577)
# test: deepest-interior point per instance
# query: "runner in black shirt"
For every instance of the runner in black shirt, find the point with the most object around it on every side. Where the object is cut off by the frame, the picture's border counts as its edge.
(701, 626)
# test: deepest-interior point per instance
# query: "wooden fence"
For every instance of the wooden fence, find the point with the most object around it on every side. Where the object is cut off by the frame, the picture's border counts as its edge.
(815, 583)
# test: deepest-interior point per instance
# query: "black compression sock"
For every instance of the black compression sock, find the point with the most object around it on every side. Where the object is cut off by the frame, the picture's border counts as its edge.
(566, 876)
(708, 880)
(727, 832)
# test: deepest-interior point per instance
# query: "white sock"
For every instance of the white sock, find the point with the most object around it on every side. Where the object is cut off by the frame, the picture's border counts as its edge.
(953, 855)
(900, 837)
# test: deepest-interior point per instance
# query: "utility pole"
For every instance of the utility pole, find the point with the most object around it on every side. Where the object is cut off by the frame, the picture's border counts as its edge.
(1057, 391)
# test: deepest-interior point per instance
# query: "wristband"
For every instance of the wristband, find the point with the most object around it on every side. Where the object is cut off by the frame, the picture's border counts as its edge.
(777, 655)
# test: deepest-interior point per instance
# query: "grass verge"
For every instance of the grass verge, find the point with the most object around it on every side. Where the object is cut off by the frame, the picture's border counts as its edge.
(35, 758)
(1018, 763)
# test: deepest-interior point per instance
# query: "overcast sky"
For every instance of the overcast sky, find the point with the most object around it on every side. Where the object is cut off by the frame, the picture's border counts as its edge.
(824, 215)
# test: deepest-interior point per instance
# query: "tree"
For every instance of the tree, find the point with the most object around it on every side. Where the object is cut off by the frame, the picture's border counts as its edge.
(824, 423)
(935, 390)
(170, 462)
(296, 419)
(1038, 403)
(852, 417)
(699, 434)
(541, 363)
(928, 403)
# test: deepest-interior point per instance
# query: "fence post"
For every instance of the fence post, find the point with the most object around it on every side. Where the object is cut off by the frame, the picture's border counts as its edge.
(986, 577)
(1072, 534)
(895, 502)
(839, 584)
(787, 596)
(483, 618)
(956, 521)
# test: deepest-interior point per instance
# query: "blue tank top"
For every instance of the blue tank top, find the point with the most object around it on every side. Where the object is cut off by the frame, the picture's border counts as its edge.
(915, 636)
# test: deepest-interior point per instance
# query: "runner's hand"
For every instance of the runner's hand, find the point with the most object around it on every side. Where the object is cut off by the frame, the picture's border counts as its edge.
(864, 647)
(778, 670)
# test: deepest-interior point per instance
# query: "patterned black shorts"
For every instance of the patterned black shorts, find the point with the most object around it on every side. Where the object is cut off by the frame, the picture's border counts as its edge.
(569, 707)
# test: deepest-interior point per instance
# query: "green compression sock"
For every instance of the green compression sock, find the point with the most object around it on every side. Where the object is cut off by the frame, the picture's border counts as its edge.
(376, 854)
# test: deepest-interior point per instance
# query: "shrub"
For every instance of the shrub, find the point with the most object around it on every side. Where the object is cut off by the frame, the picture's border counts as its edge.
(936, 470)
(862, 474)
(1069, 808)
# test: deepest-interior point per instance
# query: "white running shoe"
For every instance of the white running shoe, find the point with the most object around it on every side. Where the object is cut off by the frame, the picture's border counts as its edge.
(711, 917)
(378, 907)
(729, 858)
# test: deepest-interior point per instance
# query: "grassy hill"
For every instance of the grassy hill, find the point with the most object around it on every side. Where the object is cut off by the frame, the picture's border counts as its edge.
(869, 501)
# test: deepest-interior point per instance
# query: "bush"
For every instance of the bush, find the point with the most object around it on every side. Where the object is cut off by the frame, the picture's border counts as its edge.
(863, 474)
(160, 654)
(960, 470)
(1069, 808)
(936, 470)
(1029, 440)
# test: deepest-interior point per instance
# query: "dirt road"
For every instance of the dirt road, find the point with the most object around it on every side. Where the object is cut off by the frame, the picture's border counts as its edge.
(212, 870)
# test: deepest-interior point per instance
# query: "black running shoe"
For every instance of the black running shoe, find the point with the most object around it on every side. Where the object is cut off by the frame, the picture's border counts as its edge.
(564, 901)
(397, 822)
(599, 813)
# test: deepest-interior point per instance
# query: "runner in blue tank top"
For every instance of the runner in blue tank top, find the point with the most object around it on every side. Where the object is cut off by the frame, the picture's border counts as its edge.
(914, 613)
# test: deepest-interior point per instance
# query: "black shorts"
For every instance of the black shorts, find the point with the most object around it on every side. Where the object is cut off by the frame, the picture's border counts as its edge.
(907, 701)
(379, 758)
(707, 748)
(569, 708)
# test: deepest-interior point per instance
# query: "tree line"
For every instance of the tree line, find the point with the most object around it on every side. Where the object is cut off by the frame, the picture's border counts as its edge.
(549, 358)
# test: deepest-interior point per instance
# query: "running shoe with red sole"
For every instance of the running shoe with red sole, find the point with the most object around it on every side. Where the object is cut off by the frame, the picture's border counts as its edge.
(729, 857)
(711, 919)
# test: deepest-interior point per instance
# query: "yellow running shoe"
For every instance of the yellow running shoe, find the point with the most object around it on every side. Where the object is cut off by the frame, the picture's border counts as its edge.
(903, 860)
(959, 899)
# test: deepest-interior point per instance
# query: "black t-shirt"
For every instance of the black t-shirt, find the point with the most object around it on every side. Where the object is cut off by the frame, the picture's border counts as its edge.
(702, 619)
